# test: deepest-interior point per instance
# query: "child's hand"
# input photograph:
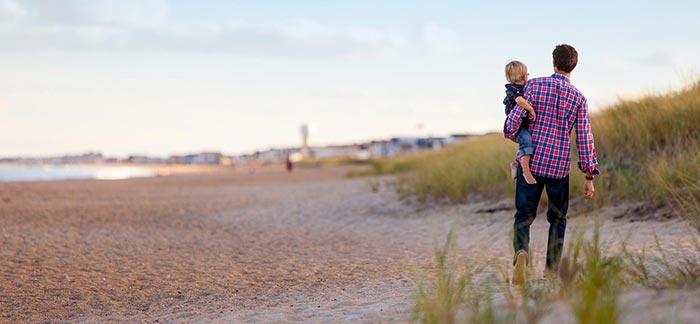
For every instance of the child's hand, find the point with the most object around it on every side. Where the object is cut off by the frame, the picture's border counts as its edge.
(531, 115)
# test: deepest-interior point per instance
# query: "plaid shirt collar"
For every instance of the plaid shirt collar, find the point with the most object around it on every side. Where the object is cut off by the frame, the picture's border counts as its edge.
(561, 77)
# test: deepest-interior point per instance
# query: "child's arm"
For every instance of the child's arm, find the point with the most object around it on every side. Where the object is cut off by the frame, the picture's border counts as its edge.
(523, 103)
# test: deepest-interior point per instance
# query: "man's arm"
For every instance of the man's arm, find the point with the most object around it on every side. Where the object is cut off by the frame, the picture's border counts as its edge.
(588, 159)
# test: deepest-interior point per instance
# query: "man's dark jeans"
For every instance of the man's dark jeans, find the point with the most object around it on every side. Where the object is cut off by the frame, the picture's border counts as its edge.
(527, 197)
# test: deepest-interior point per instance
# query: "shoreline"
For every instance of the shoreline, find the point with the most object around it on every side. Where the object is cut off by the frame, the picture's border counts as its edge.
(157, 170)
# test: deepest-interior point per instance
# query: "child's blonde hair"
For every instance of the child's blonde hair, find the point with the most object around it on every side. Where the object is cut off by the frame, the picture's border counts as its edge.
(515, 71)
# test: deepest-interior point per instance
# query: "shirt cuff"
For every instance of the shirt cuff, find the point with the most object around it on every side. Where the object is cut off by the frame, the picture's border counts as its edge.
(589, 168)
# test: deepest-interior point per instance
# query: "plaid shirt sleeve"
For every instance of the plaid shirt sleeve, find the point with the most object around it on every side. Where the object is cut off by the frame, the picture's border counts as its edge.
(588, 159)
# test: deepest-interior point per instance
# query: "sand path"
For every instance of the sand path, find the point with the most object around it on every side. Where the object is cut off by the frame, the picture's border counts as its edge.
(234, 247)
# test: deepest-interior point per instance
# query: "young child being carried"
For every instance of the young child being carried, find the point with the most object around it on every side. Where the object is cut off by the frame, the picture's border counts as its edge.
(516, 74)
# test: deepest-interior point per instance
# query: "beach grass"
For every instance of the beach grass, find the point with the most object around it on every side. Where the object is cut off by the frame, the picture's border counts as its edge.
(316, 162)
(441, 302)
(399, 164)
(594, 277)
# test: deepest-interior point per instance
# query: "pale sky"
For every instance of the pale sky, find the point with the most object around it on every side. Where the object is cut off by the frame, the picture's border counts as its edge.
(162, 77)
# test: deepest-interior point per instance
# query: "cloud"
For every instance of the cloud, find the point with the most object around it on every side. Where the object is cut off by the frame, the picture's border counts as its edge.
(11, 12)
(145, 25)
(296, 39)
(126, 13)
(77, 24)
(440, 41)
(656, 58)
(293, 39)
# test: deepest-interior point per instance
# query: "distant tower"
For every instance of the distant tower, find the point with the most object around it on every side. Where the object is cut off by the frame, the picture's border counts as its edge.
(305, 139)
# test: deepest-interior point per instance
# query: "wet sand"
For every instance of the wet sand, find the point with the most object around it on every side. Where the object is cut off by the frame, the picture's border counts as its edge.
(231, 246)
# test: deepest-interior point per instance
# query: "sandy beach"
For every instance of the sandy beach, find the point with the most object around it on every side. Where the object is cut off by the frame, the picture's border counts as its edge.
(237, 246)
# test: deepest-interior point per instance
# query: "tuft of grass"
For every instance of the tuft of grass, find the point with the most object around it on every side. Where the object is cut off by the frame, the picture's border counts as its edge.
(440, 301)
(592, 278)
(684, 190)
(659, 272)
(374, 185)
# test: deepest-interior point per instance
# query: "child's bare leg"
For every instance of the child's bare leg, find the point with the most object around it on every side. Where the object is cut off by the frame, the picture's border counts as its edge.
(525, 162)
(513, 170)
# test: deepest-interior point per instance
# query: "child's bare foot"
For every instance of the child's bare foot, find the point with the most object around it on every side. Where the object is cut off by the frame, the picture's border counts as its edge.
(513, 170)
(525, 162)
(529, 178)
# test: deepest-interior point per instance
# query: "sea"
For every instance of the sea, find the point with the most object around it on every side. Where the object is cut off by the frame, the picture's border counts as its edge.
(12, 173)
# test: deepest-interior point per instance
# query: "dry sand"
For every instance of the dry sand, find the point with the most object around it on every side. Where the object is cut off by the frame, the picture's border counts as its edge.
(233, 246)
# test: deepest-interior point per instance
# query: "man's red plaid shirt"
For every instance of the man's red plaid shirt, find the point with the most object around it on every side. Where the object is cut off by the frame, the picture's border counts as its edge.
(559, 107)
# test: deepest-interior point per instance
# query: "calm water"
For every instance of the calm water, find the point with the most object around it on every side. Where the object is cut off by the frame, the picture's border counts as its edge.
(48, 173)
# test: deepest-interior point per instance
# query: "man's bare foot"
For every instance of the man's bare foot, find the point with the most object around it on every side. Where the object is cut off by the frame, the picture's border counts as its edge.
(529, 178)
(520, 270)
(513, 170)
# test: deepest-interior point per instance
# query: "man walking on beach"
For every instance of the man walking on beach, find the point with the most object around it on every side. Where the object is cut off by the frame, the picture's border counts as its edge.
(560, 107)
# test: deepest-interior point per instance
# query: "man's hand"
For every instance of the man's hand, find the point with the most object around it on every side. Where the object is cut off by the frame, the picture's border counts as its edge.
(588, 189)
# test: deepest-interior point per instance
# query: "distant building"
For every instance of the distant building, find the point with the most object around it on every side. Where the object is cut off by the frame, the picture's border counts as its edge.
(87, 158)
(380, 148)
(430, 143)
(376, 149)
(143, 159)
(339, 151)
(457, 138)
(403, 145)
(176, 159)
(205, 158)
(273, 155)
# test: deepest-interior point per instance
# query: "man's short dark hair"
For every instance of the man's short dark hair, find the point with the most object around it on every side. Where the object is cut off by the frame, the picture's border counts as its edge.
(565, 58)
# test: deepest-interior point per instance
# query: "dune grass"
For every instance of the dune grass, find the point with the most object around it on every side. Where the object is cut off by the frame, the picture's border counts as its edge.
(592, 279)
(646, 147)
(315, 163)
(476, 167)
(650, 145)
(441, 302)
(394, 165)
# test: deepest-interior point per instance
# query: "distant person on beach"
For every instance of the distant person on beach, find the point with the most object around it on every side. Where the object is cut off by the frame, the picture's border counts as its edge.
(560, 108)
(516, 74)
(288, 164)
